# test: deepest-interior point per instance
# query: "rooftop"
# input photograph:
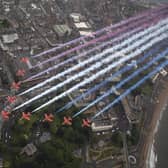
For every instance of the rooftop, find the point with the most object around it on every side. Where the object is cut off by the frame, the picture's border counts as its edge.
(10, 38)
(29, 149)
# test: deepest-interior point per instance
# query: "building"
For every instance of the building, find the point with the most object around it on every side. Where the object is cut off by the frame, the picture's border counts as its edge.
(131, 115)
(62, 30)
(84, 28)
(155, 77)
(85, 33)
(101, 128)
(10, 38)
(46, 136)
(29, 149)
(1, 163)
(81, 24)
(76, 17)
(163, 72)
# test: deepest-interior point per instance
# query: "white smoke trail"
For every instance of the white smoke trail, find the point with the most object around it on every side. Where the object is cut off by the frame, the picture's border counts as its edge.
(128, 91)
(126, 80)
(96, 57)
(92, 78)
(111, 27)
(137, 52)
(84, 45)
(105, 44)
(138, 26)
(141, 24)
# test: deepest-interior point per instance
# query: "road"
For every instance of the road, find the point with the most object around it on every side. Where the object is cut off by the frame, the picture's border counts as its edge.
(6, 132)
(125, 148)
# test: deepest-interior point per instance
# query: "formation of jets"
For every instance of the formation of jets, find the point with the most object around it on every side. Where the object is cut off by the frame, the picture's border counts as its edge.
(11, 99)
(27, 115)
(47, 118)
(67, 121)
(24, 60)
(5, 114)
(15, 85)
(21, 73)
(86, 123)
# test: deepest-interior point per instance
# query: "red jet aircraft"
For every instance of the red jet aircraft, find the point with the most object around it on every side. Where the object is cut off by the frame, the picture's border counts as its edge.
(25, 116)
(86, 123)
(21, 72)
(15, 85)
(24, 60)
(67, 121)
(5, 115)
(11, 99)
(48, 117)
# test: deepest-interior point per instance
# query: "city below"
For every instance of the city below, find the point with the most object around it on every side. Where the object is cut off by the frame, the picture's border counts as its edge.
(83, 83)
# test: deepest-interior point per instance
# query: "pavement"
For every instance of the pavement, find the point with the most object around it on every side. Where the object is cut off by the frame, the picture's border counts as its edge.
(125, 150)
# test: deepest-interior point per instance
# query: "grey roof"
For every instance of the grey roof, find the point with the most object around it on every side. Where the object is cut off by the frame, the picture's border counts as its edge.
(10, 38)
(46, 136)
(29, 149)
(62, 29)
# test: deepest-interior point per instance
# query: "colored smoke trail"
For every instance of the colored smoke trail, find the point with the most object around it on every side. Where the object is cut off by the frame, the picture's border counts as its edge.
(102, 38)
(120, 72)
(146, 13)
(92, 78)
(100, 56)
(119, 85)
(134, 25)
(84, 82)
(84, 54)
(127, 92)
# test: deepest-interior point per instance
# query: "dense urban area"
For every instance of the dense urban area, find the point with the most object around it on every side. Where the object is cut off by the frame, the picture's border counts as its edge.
(115, 139)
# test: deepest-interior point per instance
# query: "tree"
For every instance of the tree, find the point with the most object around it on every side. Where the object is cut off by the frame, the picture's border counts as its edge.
(4, 23)
(117, 139)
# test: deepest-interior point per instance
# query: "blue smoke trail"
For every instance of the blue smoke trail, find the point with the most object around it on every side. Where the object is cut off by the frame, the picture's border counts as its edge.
(119, 85)
(151, 39)
(120, 72)
(90, 79)
(128, 91)
(104, 57)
